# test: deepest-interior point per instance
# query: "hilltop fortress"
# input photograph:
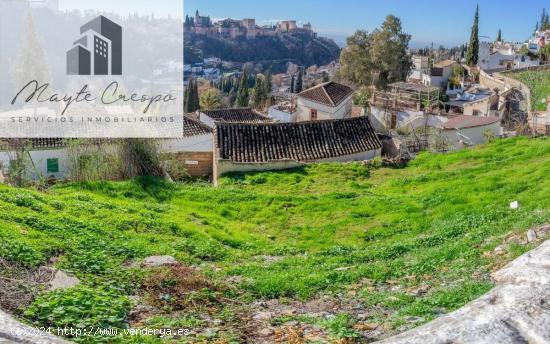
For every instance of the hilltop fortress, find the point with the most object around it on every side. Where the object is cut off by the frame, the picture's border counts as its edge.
(233, 28)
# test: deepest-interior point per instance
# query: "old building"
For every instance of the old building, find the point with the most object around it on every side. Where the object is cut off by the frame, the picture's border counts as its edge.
(240, 115)
(462, 130)
(274, 146)
(474, 101)
(330, 100)
(193, 150)
(439, 74)
(502, 56)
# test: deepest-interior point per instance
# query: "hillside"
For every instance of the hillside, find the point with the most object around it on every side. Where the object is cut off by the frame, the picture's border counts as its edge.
(327, 252)
(539, 84)
(298, 48)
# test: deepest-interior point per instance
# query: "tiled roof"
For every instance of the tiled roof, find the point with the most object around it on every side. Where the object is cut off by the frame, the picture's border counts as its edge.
(242, 115)
(465, 121)
(38, 143)
(302, 141)
(192, 127)
(329, 93)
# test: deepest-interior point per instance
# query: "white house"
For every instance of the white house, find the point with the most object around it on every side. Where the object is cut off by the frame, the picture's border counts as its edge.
(330, 100)
(283, 112)
(464, 130)
(503, 56)
(440, 74)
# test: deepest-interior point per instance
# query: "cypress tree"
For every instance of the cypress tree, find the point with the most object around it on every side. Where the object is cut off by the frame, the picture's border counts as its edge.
(196, 102)
(242, 94)
(473, 47)
(299, 83)
(292, 84)
(186, 96)
(499, 36)
(542, 19)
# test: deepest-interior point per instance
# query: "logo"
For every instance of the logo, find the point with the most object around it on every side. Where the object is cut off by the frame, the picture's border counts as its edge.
(98, 51)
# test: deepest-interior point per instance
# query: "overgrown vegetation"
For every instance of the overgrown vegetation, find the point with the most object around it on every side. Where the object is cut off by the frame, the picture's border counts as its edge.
(403, 243)
(539, 84)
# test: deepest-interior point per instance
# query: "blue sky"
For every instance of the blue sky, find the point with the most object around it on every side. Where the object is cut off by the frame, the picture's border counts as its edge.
(441, 22)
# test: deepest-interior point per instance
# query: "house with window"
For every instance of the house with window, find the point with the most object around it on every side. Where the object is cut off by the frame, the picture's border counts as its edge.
(329, 100)
(242, 147)
(47, 157)
(50, 157)
(239, 115)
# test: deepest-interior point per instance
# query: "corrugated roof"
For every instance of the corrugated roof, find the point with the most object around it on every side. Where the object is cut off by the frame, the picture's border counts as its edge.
(465, 121)
(330, 93)
(301, 141)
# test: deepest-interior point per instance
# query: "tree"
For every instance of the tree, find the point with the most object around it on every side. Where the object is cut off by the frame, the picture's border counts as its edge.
(292, 84)
(473, 47)
(268, 84)
(210, 99)
(378, 58)
(543, 20)
(260, 95)
(192, 97)
(242, 94)
(299, 82)
(499, 36)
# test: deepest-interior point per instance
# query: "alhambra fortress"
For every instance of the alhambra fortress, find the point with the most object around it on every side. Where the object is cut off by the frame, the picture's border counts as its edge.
(233, 28)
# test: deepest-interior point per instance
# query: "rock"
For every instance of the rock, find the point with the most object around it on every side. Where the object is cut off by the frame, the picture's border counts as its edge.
(262, 316)
(154, 261)
(514, 311)
(531, 235)
(292, 323)
(514, 205)
(61, 280)
(12, 331)
(499, 250)
(366, 326)
(266, 332)
(362, 316)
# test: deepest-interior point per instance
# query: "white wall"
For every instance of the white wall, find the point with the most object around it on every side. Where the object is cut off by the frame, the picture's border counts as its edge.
(39, 158)
(280, 116)
(198, 143)
(324, 112)
(207, 120)
(471, 136)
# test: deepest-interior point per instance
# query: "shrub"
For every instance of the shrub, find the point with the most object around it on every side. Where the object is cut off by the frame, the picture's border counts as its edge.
(80, 307)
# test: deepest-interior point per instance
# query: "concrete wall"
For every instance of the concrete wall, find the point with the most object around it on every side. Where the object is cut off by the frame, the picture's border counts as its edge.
(207, 120)
(323, 111)
(471, 136)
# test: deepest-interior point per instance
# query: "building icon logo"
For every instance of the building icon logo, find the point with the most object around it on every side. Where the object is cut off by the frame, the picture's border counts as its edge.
(98, 51)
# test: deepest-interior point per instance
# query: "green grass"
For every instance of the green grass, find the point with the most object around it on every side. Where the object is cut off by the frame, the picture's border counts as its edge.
(330, 226)
(539, 84)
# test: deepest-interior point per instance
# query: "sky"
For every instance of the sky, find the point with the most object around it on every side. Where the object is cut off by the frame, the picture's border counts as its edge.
(441, 22)
(161, 8)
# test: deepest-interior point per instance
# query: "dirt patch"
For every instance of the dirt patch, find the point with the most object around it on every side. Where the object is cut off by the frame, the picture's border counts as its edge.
(19, 285)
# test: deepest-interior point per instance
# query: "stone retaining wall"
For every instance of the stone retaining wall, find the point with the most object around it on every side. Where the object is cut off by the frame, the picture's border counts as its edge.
(517, 310)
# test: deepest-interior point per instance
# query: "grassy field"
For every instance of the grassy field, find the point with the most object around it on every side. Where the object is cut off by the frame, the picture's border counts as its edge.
(539, 84)
(399, 246)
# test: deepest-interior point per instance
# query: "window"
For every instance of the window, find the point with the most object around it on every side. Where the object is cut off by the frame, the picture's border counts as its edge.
(52, 165)
(476, 112)
(312, 114)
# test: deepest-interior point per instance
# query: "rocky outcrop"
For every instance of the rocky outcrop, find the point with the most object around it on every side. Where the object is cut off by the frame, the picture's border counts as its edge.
(12, 331)
(517, 310)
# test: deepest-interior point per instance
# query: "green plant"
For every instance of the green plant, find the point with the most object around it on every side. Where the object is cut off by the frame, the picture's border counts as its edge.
(80, 307)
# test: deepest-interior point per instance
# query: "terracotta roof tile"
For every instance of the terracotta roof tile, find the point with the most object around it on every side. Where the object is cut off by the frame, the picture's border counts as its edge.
(302, 141)
(465, 121)
(242, 115)
(329, 93)
(192, 127)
